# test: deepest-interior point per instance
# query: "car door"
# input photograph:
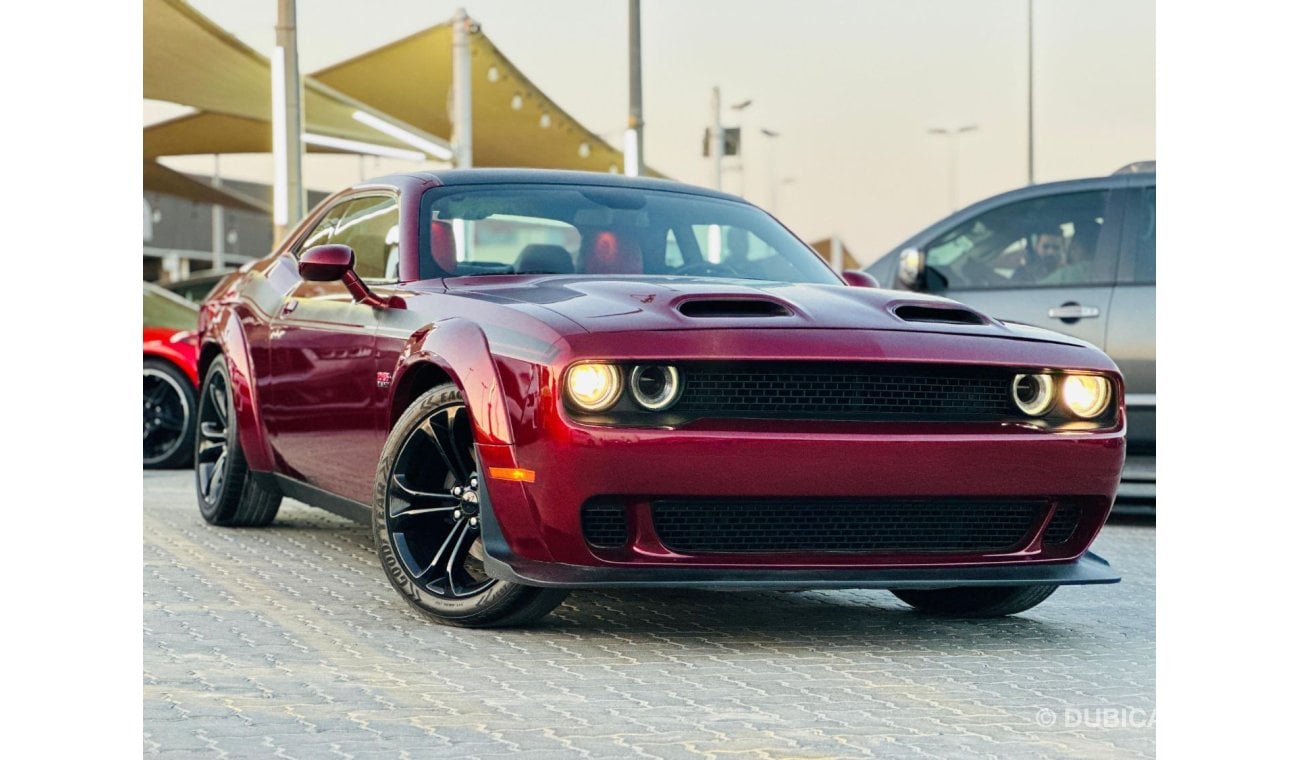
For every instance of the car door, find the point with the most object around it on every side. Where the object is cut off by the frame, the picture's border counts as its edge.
(1131, 336)
(321, 411)
(1048, 261)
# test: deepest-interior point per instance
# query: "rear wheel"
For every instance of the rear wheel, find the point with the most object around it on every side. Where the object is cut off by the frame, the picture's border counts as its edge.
(168, 415)
(228, 494)
(979, 601)
(426, 521)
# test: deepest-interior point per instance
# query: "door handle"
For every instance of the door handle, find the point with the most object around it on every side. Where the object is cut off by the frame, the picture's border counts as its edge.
(1070, 312)
(290, 306)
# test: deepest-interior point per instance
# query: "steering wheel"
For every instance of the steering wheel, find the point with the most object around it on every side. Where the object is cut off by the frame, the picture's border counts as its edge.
(707, 268)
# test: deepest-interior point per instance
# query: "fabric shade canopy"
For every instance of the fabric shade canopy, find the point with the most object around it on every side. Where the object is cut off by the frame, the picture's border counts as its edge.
(823, 248)
(191, 61)
(515, 123)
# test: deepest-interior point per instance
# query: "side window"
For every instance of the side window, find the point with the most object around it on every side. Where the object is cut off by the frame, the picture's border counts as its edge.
(1139, 264)
(369, 227)
(321, 234)
(1045, 241)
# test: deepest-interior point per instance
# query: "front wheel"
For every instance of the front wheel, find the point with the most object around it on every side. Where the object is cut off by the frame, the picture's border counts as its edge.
(426, 521)
(979, 601)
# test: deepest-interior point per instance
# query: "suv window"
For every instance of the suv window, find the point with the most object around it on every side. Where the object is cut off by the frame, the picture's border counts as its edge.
(1040, 242)
(1139, 264)
(369, 227)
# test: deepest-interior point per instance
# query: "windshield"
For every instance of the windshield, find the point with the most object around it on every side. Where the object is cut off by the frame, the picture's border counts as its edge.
(592, 230)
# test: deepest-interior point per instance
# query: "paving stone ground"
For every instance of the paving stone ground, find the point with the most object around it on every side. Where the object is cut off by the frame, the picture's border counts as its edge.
(288, 642)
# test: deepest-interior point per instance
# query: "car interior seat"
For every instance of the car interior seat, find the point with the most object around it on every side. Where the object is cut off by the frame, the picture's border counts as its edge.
(605, 252)
(542, 258)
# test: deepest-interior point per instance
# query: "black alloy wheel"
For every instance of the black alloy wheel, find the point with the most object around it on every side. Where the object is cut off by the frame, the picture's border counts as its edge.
(212, 458)
(168, 415)
(427, 516)
(228, 494)
(432, 514)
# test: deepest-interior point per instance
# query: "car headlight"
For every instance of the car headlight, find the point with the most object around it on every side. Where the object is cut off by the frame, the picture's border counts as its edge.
(1086, 396)
(592, 386)
(1033, 393)
(655, 386)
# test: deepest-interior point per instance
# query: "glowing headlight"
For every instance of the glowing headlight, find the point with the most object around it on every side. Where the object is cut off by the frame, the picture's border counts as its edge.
(1033, 393)
(655, 386)
(1086, 396)
(593, 387)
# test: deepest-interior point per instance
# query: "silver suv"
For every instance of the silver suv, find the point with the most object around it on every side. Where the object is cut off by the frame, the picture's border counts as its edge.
(1078, 257)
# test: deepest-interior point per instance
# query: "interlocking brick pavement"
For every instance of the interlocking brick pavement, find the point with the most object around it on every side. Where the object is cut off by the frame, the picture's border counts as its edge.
(288, 642)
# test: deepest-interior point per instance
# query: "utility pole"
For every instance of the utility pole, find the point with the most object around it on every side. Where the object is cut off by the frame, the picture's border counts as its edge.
(1031, 91)
(462, 95)
(218, 219)
(286, 121)
(634, 139)
(717, 138)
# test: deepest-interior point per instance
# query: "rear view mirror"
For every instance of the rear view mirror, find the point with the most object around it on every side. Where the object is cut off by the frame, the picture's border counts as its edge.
(911, 268)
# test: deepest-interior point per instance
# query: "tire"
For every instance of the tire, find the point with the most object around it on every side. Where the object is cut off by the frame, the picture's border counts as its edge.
(426, 526)
(979, 601)
(169, 412)
(228, 494)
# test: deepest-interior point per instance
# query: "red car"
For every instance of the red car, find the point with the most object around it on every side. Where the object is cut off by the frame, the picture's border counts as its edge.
(531, 381)
(171, 378)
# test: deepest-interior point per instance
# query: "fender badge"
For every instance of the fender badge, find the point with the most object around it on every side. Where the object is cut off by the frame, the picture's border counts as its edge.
(383, 379)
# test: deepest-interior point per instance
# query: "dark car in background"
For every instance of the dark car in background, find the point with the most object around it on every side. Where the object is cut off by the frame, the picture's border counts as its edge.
(1077, 257)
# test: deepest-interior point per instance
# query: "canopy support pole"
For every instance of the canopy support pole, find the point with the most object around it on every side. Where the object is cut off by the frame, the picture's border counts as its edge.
(286, 121)
(462, 121)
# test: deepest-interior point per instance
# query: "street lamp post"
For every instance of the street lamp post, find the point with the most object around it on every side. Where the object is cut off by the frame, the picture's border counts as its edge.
(953, 135)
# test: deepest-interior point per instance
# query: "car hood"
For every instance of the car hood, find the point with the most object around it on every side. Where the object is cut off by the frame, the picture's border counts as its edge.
(597, 305)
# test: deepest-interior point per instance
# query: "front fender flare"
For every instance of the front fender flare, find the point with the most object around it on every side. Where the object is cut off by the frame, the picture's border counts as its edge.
(460, 349)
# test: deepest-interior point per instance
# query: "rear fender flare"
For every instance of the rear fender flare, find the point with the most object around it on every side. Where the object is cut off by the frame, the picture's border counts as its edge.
(227, 335)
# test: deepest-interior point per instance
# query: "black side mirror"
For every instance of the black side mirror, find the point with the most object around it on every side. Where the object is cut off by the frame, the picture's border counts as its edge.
(337, 263)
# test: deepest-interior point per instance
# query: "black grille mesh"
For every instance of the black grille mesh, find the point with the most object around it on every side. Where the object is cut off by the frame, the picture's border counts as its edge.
(604, 525)
(806, 390)
(738, 527)
(1063, 524)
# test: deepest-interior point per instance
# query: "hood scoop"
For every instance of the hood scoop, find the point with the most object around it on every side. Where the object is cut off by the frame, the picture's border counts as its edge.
(708, 308)
(947, 315)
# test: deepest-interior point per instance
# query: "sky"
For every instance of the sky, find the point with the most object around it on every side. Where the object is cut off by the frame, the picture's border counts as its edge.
(851, 86)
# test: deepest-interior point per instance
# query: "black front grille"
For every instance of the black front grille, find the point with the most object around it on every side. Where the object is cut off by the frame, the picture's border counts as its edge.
(769, 525)
(604, 525)
(846, 391)
(1063, 524)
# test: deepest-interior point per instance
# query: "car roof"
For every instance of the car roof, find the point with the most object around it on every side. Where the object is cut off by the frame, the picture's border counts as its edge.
(1114, 181)
(451, 177)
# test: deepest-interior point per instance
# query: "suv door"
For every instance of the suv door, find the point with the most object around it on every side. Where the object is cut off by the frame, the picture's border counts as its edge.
(1048, 261)
(1131, 336)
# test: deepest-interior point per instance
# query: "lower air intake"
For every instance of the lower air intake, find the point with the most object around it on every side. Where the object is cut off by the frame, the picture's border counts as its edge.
(857, 526)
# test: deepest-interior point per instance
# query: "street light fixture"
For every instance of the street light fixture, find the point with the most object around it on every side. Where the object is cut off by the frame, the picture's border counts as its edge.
(953, 135)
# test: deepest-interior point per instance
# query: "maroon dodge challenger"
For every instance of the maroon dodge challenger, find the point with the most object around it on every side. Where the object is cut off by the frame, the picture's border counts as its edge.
(528, 382)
